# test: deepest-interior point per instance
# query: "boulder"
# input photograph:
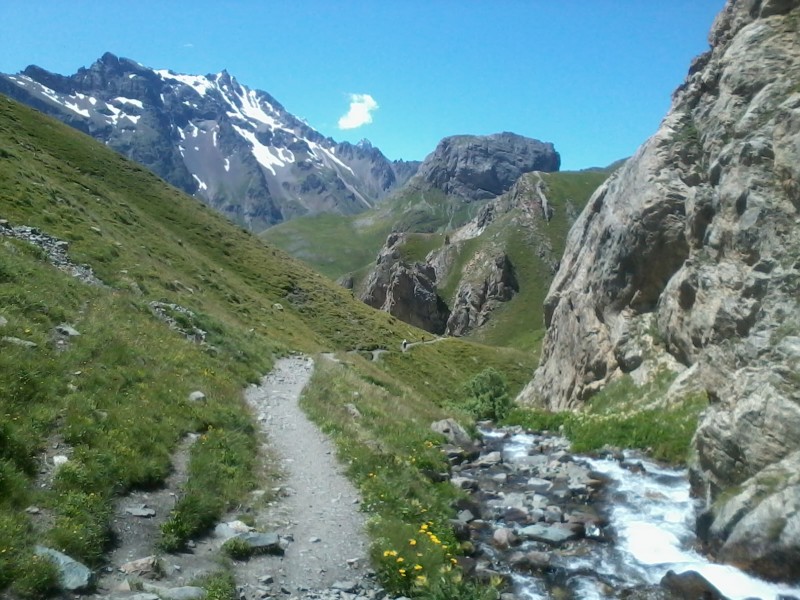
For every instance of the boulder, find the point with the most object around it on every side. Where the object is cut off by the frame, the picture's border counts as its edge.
(690, 585)
(149, 567)
(453, 432)
(263, 543)
(553, 535)
(72, 575)
(758, 528)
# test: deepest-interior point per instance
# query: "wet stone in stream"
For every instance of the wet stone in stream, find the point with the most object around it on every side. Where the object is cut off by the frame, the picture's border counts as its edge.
(534, 511)
(554, 525)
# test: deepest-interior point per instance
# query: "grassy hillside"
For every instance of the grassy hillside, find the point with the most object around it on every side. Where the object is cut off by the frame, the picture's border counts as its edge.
(567, 193)
(337, 245)
(115, 399)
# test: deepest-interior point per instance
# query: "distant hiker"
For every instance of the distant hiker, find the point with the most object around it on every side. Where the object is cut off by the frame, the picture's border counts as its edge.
(405, 345)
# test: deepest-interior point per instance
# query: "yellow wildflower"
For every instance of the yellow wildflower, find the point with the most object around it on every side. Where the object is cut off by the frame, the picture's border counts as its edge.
(402, 572)
(412, 542)
(418, 567)
(421, 580)
(400, 559)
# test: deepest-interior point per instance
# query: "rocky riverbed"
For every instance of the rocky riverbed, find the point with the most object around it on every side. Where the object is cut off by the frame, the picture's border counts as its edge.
(615, 525)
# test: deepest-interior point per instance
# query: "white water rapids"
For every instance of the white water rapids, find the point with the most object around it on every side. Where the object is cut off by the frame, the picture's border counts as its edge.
(653, 516)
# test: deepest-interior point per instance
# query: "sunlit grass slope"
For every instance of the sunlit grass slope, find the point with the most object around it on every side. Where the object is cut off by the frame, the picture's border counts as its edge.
(337, 245)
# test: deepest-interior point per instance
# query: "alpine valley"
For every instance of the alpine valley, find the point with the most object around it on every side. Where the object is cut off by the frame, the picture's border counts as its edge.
(544, 384)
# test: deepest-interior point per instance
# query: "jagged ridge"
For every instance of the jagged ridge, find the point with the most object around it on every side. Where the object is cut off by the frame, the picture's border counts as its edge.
(236, 148)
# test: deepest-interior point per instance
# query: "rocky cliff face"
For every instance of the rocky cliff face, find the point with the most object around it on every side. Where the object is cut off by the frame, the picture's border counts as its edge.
(483, 167)
(477, 297)
(695, 242)
(236, 148)
(406, 291)
(511, 248)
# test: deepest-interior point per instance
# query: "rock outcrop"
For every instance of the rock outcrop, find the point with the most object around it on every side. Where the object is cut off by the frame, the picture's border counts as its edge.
(406, 291)
(483, 167)
(695, 241)
(478, 296)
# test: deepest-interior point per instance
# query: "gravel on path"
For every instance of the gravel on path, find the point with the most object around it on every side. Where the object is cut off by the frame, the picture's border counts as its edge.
(319, 507)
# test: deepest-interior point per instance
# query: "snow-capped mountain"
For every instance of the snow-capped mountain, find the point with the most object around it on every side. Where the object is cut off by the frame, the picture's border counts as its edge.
(236, 148)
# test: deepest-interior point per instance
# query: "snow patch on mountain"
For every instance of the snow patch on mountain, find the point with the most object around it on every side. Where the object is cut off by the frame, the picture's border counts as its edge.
(262, 153)
(296, 169)
(119, 99)
(199, 181)
(198, 83)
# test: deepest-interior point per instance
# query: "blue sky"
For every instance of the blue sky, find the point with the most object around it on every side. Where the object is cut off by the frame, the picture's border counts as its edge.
(592, 76)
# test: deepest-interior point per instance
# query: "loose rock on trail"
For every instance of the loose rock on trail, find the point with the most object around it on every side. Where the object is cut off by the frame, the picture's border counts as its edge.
(318, 508)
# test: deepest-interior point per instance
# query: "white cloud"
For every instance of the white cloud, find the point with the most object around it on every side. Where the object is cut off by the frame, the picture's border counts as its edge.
(360, 113)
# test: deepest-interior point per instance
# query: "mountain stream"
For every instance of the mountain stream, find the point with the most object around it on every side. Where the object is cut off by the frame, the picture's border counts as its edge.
(599, 525)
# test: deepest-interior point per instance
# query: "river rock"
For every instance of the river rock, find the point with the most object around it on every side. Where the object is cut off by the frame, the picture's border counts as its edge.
(534, 560)
(516, 515)
(464, 483)
(465, 516)
(504, 538)
(554, 535)
(453, 432)
(72, 575)
(690, 585)
(500, 478)
(539, 485)
(489, 460)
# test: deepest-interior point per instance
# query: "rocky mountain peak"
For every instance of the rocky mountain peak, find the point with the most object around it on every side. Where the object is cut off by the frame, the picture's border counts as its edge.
(483, 167)
(687, 260)
(236, 148)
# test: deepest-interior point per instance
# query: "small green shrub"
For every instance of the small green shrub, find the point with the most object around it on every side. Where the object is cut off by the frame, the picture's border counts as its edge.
(219, 586)
(487, 395)
(238, 549)
(38, 579)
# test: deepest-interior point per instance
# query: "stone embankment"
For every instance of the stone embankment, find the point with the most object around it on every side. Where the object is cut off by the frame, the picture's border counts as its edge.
(55, 250)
